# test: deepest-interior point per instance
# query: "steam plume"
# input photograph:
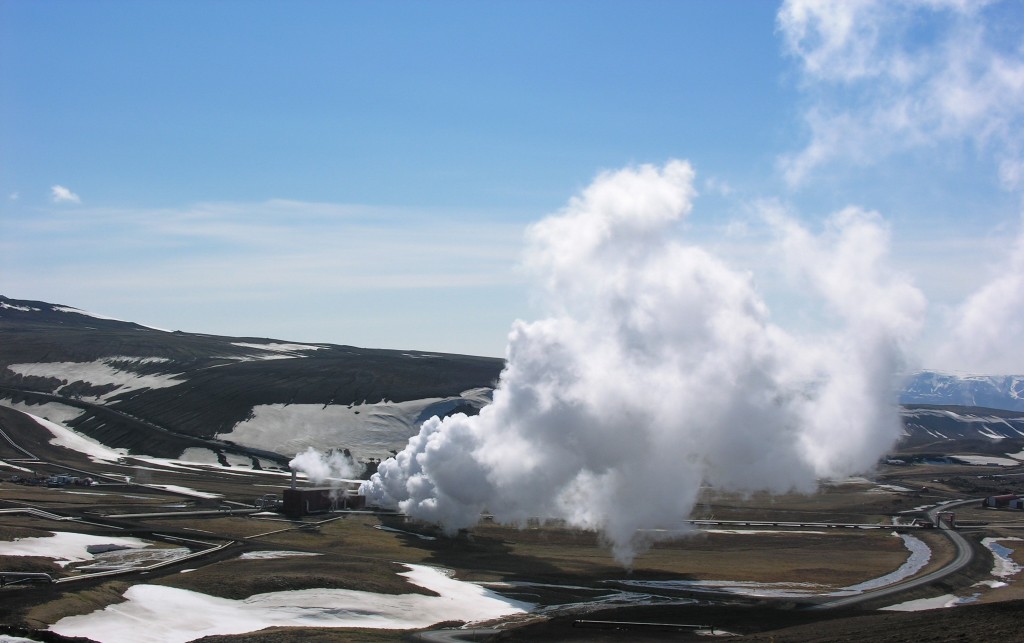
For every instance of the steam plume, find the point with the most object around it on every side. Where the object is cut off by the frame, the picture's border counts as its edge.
(322, 467)
(659, 370)
(986, 328)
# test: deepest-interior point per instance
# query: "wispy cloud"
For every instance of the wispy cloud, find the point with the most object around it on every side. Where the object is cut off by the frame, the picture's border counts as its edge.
(61, 194)
(886, 76)
(719, 186)
(358, 272)
(287, 241)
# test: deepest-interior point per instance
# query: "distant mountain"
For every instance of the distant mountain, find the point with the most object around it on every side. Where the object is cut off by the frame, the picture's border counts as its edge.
(969, 429)
(161, 393)
(988, 391)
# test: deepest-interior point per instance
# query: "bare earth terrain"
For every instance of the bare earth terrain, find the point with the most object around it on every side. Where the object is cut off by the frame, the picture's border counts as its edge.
(738, 573)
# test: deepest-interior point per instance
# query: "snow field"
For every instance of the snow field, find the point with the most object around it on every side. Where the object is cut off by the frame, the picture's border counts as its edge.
(66, 547)
(175, 615)
(108, 370)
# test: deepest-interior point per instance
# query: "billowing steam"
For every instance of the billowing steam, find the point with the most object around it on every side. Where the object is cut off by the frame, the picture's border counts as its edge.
(321, 467)
(659, 370)
(986, 331)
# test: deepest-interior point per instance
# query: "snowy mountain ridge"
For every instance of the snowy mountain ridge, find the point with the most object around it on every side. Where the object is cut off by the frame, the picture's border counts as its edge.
(1004, 392)
(166, 393)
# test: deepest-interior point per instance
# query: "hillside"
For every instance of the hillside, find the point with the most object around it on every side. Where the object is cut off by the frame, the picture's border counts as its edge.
(160, 392)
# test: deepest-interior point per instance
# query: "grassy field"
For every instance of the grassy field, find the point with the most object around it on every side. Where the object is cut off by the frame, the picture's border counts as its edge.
(546, 564)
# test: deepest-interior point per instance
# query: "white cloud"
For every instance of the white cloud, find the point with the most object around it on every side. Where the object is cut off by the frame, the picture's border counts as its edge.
(13, 196)
(885, 76)
(715, 185)
(60, 194)
(208, 246)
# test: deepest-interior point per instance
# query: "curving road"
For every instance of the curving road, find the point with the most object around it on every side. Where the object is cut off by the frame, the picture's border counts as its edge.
(964, 554)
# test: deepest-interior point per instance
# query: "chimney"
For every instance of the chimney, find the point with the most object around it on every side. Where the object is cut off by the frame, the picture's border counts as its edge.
(294, 474)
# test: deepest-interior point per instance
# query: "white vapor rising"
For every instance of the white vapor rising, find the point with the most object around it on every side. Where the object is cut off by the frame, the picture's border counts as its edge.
(659, 370)
(986, 332)
(322, 467)
(888, 75)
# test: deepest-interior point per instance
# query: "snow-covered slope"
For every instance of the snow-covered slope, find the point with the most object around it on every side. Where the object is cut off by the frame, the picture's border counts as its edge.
(162, 393)
(987, 391)
(924, 424)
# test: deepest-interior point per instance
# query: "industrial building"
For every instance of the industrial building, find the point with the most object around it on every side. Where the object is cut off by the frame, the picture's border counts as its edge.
(1008, 500)
(301, 501)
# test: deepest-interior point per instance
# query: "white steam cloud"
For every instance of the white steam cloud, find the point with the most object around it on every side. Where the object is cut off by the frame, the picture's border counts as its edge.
(659, 370)
(321, 467)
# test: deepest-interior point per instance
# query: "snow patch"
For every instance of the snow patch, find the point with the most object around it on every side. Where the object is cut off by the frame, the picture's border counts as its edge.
(987, 460)
(24, 309)
(1003, 565)
(175, 615)
(65, 437)
(991, 584)
(271, 555)
(102, 372)
(370, 430)
(52, 411)
(762, 531)
(184, 490)
(275, 347)
(893, 487)
(14, 466)
(66, 547)
(920, 604)
(133, 558)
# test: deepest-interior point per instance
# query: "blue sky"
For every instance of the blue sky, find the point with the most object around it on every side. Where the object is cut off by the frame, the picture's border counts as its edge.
(362, 173)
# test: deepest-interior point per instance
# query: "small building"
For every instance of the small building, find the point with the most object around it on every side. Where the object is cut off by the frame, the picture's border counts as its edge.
(302, 501)
(999, 501)
(1017, 503)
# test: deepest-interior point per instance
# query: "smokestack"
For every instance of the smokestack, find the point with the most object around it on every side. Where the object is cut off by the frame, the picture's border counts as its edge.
(294, 475)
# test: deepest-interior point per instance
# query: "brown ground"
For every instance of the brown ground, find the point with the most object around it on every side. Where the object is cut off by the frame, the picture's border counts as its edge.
(999, 622)
(355, 555)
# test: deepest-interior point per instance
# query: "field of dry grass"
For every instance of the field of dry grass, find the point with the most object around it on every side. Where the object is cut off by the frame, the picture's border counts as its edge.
(352, 553)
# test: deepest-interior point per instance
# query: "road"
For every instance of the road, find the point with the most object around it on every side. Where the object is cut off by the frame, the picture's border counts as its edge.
(964, 554)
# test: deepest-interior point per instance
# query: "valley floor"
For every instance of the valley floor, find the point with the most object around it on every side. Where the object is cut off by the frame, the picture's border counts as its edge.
(156, 538)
